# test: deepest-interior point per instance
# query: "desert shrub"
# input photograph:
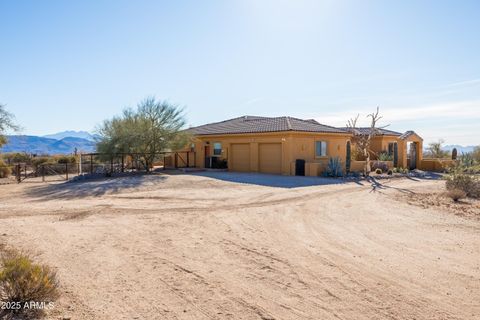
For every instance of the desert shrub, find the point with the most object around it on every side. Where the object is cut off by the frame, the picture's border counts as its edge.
(476, 154)
(465, 182)
(456, 194)
(66, 159)
(467, 160)
(42, 160)
(16, 157)
(385, 156)
(23, 282)
(5, 171)
(380, 165)
(390, 172)
(334, 167)
(378, 171)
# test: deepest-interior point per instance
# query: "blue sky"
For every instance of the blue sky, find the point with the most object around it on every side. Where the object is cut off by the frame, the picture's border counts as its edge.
(71, 64)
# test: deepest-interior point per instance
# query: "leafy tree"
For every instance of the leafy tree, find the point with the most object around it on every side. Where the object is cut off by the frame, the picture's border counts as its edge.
(434, 150)
(362, 139)
(6, 123)
(154, 126)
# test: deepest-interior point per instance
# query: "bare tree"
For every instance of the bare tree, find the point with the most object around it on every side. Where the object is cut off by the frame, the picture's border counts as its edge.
(434, 150)
(362, 138)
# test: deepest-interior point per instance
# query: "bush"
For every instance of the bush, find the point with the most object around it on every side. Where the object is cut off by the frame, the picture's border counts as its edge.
(378, 171)
(66, 159)
(23, 282)
(17, 157)
(465, 182)
(390, 172)
(5, 171)
(456, 194)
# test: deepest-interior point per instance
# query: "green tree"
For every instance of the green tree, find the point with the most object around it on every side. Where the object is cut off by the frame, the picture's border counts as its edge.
(154, 126)
(6, 123)
(476, 154)
(434, 150)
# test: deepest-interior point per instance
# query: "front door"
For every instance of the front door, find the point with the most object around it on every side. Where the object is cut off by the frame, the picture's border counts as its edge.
(413, 155)
(208, 158)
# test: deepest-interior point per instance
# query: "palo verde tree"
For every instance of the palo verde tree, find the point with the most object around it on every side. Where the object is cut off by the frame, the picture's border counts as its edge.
(362, 138)
(154, 126)
(6, 123)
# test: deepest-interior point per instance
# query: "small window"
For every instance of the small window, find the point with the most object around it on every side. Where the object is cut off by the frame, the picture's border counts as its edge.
(217, 149)
(320, 149)
(390, 148)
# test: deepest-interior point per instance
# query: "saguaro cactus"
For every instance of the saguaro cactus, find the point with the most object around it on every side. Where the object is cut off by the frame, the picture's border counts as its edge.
(454, 154)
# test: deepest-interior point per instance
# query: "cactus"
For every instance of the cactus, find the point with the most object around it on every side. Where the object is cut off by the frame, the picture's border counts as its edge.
(349, 157)
(334, 167)
(454, 154)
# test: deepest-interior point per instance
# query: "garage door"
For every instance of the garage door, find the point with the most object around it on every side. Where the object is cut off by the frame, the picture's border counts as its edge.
(240, 157)
(270, 157)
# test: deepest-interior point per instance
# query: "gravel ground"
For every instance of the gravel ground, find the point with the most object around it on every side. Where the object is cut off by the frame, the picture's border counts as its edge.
(204, 246)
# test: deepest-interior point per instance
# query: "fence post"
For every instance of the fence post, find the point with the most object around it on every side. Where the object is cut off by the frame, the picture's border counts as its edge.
(42, 167)
(91, 163)
(123, 163)
(194, 159)
(25, 171)
(188, 159)
(66, 171)
(176, 160)
(18, 173)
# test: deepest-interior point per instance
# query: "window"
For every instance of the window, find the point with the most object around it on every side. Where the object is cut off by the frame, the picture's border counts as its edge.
(390, 148)
(217, 149)
(320, 149)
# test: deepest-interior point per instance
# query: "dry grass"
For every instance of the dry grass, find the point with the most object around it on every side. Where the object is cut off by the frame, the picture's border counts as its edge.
(443, 201)
(193, 247)
(456, 194)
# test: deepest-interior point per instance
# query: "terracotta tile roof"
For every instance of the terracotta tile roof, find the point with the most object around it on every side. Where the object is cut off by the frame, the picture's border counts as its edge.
(407, 134)
(254, 124)
(383, 132)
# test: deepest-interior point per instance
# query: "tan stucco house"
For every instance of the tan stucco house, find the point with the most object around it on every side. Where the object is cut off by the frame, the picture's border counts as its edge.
(274, 144)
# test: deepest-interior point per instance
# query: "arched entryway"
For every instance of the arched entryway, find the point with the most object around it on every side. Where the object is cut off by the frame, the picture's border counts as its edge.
(412, 155)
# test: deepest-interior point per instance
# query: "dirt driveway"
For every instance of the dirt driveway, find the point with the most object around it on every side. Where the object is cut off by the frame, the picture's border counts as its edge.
(207, 247)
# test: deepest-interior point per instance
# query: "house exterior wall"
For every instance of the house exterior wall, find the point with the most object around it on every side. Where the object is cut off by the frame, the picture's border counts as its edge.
(380, 143)
(301, 145)
(295, 145)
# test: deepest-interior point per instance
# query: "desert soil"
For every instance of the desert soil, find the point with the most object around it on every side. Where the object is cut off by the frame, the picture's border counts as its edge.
(195, 247)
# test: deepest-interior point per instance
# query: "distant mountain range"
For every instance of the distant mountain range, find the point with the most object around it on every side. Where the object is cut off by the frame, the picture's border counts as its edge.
(65, 143)
(71, 134)
(58, 143)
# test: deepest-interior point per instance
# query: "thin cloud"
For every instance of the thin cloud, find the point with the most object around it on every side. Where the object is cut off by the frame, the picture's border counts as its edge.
(455, 117)
(452, 111)
(464, 83)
